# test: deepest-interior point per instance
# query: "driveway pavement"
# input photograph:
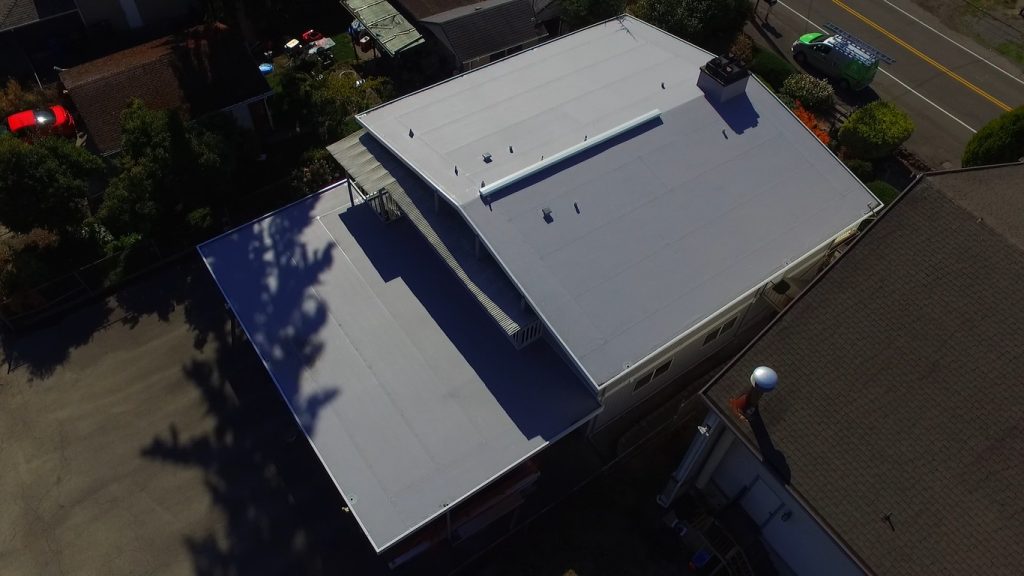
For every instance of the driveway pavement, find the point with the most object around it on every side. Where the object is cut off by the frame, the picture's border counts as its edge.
(125, 449)
(949, 84)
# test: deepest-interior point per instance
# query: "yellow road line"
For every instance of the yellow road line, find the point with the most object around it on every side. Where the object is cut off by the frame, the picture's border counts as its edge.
(924, 57)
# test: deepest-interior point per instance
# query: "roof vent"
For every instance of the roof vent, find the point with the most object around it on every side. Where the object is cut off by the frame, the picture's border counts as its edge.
(487, 157)
(723, 78)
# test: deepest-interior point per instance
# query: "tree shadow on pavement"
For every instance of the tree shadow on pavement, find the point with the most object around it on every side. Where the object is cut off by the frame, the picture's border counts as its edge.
(48, 345)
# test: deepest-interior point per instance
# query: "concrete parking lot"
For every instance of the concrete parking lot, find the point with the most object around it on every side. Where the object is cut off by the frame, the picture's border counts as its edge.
(125, 449)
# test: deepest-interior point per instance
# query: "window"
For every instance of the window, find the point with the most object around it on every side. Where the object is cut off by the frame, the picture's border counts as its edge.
(718, 331)
(728, 325)
(662, 369)
(648, 377)
(643, 381)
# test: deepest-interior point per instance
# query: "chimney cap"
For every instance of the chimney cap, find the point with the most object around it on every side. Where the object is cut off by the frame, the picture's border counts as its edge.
(764, 378)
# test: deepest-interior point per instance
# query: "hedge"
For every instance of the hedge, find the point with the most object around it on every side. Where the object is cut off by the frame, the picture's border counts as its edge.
(875, 130)
(883, 191)
(816, 95)
(771, 68)
(998, 142)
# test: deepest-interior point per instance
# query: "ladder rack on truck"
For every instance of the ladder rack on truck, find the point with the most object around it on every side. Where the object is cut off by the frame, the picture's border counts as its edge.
(855, 47)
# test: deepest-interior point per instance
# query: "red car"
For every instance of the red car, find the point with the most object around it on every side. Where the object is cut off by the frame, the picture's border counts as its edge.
(55, 119)
(311, 36)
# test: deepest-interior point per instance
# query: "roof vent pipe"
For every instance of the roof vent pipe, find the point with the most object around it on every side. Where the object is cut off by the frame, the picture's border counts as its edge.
(762, 381)
(723, 78)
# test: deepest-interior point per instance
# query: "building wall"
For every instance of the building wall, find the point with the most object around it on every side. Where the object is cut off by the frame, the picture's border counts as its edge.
(786, 526)
(640, 382)
(630, 388)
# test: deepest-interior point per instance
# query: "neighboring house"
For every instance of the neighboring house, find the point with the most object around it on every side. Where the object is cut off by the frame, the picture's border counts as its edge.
(391, 32)
(474, 33)
(893, 443)
(570, 230)
(133, 14)
(200, 71)
(36, 35)
(20, 13)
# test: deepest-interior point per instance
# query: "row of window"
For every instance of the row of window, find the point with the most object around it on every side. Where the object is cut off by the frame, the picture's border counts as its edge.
(664, 366)
(646, 378)
(719, 330)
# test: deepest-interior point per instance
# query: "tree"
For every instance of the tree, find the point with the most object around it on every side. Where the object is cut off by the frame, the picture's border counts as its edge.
(580, 13)
(336, 97)
(318, 169)
(172, 175)
(999, 141)
(44, 185)
(876, 130)
(14, 98)
(703, 22)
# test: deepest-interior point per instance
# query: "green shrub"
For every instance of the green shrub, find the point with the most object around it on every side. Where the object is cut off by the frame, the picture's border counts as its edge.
(999, 141)
(875, 130)
(771, 68)
(787, 100)
(862, 169)
(742, 48)
(711, 24)
(816, 95)
(883, 191)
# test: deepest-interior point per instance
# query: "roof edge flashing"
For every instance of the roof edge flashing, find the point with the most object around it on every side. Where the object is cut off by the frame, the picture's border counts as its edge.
(577, 149)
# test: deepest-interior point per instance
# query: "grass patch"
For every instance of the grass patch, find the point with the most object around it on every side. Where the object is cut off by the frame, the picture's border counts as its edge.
(1011, 50)
(343, 50)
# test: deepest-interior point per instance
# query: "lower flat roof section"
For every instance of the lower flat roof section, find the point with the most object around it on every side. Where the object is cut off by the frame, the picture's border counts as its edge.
(411, 396)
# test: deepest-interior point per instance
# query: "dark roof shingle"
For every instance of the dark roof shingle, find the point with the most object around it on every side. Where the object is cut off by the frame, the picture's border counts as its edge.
(200, 71)
(14, 13)
(487, 27)
(899, 381)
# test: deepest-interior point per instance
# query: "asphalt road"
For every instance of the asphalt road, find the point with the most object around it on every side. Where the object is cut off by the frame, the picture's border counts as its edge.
(950, 85)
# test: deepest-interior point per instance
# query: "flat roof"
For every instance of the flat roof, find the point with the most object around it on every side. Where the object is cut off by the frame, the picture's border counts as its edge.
(649, 233)
(412, 400)
(899, 382)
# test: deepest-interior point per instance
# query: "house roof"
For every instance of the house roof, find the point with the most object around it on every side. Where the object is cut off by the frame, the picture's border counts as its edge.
(15, 13)
(899, 381)
(421, 9)
(389, 28)
(412, 399)
(202, 70)
(483, 28)
(651, 232)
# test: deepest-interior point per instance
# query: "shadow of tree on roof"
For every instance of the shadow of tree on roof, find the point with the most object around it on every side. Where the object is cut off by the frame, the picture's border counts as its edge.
(282, 512)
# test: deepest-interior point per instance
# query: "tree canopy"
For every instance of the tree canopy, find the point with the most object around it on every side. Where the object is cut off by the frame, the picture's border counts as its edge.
(580, 13)
(703, 22)
(999, 141)
(876, 130)
(171, 174)
(45, 184)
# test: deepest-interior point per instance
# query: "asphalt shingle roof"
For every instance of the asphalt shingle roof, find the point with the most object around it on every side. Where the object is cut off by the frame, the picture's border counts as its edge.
(14, 13)
(197, 72)
(487, 27)
(900, 382)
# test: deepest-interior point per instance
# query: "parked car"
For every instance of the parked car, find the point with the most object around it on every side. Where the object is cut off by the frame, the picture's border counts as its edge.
(842, 57)
(311, 36)
(53, 120)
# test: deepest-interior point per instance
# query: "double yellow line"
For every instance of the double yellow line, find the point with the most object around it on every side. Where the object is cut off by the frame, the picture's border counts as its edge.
(924, 57)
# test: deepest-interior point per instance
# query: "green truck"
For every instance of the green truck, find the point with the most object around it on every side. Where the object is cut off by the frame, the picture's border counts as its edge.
(849, 61)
